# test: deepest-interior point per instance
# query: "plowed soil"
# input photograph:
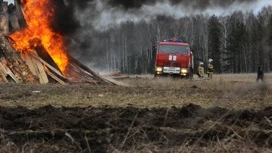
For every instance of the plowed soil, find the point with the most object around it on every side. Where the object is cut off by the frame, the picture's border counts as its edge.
(148, 116)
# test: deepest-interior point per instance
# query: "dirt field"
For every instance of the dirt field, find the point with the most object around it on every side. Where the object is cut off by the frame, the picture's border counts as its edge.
(231, 113)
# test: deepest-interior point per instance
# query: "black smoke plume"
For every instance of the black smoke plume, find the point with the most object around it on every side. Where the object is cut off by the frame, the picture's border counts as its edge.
(66, 20)
(130, 4)
(79, 20)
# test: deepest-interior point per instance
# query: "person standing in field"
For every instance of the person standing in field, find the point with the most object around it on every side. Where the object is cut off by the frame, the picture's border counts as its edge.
(260, 73)
(200, 70)
(210, 69)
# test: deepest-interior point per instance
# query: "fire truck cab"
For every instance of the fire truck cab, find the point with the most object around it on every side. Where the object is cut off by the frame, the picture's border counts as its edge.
(174, 58)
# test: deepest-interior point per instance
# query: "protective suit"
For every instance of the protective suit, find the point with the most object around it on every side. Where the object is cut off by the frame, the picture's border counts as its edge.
(200, 70)
(210, 69)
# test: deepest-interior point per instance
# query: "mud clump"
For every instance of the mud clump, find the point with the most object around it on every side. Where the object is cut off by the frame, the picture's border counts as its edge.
(89, 129)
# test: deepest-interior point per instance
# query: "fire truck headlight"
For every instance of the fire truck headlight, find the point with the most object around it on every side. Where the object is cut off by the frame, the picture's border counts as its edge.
(159, 69)
(183, 70)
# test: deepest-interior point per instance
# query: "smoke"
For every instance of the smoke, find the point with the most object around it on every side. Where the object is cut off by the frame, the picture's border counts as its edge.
(100, 15)
(65, 22)
(73, 19)
(73, 16)
(205, 4)
(79, 20)
(132, 4)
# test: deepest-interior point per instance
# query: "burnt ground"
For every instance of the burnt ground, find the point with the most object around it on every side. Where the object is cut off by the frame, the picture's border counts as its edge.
(39, 118)
(50, 129)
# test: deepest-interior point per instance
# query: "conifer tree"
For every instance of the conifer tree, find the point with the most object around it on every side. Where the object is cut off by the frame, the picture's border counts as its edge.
(214, 43)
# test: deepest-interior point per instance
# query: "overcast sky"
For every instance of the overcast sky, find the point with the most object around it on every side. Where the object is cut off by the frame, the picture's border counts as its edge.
(10, 1)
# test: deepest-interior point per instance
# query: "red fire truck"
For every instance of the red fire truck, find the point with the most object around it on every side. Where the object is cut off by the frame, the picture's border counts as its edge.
(174, 58)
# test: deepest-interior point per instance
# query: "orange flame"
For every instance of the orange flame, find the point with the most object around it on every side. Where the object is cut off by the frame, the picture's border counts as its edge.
(37, 14)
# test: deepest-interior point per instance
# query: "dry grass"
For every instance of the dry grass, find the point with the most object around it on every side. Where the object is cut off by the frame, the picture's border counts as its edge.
(239, 91)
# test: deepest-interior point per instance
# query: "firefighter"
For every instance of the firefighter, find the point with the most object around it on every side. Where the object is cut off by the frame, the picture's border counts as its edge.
(200, 70)
(260, 73)
(210, 69)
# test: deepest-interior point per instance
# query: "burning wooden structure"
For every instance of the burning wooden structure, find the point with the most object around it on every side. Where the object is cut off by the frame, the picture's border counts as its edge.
(27, 55)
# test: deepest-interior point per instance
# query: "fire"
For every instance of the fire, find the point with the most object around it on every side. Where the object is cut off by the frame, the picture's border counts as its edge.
(37, 14)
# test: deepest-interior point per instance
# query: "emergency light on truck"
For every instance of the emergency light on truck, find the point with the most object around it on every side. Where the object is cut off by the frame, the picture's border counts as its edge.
(173, 40)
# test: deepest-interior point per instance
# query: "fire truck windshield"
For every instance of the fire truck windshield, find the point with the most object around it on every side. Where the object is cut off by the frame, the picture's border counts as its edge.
(173, 49)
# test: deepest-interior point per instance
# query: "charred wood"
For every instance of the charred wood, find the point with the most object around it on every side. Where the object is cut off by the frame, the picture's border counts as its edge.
(36, 67)
(20, 14)
(43, 54)
(6, 71)
(4, 21)
(82, 72)
(15, 62)
(13, 19)
(49, 68)
(55, 77)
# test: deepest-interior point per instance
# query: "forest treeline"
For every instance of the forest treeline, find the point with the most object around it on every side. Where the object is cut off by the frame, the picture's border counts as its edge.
(237, 42)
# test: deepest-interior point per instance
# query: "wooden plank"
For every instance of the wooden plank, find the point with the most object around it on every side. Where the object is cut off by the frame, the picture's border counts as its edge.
(36, 67)
(4, 78)
(17, 65)
(3, 73)
(55, 77)
(43, 54)
(42, 74)
(86, 72)
(82, 67)
(48, 65)
(39, 67)
(29, 63)
(7, 71)
(4, 25)
(113, 81)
